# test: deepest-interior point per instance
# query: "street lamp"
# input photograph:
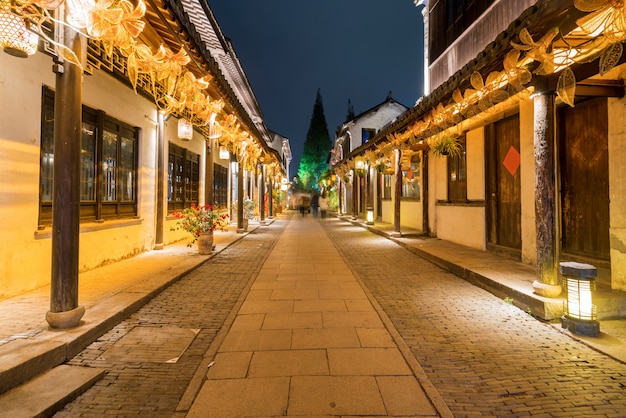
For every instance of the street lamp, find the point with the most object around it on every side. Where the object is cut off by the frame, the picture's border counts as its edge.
(580, 313)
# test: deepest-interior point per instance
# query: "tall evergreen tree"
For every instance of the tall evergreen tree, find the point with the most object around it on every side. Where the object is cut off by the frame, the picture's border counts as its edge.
(316, 147)
(350, 115)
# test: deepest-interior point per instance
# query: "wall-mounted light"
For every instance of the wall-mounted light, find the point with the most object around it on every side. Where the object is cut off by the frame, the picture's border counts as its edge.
(360, 165)
(15, 38)
(579, 281)
(224, 154)
(185, 129)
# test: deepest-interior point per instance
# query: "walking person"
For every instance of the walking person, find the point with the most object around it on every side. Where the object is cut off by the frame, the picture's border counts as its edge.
(315, 204)
(323, 202)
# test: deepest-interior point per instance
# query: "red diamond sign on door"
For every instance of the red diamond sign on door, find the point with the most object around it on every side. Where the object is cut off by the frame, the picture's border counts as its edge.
(512, 160)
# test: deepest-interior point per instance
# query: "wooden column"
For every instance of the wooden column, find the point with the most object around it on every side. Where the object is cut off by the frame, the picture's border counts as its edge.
(240, 197)
(270, 199)
(355, 203)
(64, 310)
(160, 170)
(545, 186)
(397, 193)
(209, 172)
(262, 196)
(425, 219)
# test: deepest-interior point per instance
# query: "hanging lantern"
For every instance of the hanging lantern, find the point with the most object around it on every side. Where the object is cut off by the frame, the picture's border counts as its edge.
(185, 129)
(224, 154)
(15, 38)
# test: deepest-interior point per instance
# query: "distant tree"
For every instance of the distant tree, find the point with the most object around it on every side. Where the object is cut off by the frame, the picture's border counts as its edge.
(350, 115)
(316, 147)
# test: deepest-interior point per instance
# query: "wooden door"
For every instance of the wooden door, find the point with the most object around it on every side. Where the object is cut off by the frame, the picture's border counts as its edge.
(504, 184)
(584, 171)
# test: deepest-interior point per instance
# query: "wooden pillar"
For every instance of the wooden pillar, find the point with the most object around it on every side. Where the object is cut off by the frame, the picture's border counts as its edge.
(270, 199)
(160, 173)
(355, 188)
(64, 310)
(262, 196)
(545, 186)
(209, 173)
(425, 219)
(397, 194)
(240, 197)
(340, 197)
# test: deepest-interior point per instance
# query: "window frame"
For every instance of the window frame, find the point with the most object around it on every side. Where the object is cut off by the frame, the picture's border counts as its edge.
(415, 166)
(184, 187)
(457, 174)
(92, 206)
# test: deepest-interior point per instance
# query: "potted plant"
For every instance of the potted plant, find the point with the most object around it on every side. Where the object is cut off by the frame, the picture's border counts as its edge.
(446, 145)
(200, 222)
(248, 212)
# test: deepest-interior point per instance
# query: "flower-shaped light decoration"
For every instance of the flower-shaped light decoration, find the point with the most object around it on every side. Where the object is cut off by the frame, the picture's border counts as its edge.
(606, 17)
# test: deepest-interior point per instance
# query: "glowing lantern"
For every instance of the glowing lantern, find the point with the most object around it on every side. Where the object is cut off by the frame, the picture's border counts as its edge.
(185, 129)
(15, 38)
(224, 154)
(580, 312)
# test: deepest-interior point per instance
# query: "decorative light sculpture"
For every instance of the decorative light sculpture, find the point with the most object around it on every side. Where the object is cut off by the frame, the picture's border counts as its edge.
(15, 38)
(579, 281)
(185, 129)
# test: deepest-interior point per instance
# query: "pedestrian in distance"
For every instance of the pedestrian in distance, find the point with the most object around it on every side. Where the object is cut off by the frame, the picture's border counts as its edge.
(315, 204)
(323, 205)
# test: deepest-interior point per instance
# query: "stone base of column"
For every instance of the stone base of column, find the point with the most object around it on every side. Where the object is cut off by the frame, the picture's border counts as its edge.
(547, 290)
(241, 230)
(159, 246)
(66, 319)
(396, 234)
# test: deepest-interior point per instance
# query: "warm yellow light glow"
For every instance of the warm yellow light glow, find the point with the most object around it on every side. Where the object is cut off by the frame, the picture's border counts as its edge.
(370, 216)
(185, 129)
(360, 164)
(579, 301)
(15, 38)
(224, 154)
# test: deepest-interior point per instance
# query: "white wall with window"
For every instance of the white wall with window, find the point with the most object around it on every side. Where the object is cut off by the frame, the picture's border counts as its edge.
(122, 125)
(459, 192)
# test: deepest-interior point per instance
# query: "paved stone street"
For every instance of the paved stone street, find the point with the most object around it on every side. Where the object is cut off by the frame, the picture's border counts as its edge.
(483, 356)
(142, 377)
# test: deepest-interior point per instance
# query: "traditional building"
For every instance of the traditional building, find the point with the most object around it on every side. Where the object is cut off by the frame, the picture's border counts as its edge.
(351, 135)
(527, 97)
(101, 140)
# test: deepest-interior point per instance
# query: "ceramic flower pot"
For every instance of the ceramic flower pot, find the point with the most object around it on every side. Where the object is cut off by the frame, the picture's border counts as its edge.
(205, 243)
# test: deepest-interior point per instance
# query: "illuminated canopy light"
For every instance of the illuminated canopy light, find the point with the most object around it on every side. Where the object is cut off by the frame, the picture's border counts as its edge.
(15, 38)
(224, 154)
(185, 129)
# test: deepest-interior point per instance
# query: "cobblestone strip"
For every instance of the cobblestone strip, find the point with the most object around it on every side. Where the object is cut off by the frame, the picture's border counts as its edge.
(200, 301)
(484, 356)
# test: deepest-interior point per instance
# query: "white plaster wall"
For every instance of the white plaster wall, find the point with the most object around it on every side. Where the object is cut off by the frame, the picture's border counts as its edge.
(411, 214)
(617, 191)
(527, 173)
(463, 225)
(373, 120)
(475, 145)
(24, 260)
(387, 215)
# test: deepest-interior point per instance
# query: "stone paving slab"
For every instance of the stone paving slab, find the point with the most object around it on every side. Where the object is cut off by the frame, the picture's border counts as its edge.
(320, 339)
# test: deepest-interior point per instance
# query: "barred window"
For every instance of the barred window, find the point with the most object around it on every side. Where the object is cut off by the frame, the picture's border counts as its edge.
(412, 178)
(183, 178)
(108, 165)
(457, 175)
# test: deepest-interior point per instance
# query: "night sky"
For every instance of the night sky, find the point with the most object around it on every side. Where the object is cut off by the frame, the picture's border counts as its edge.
(349, 49)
